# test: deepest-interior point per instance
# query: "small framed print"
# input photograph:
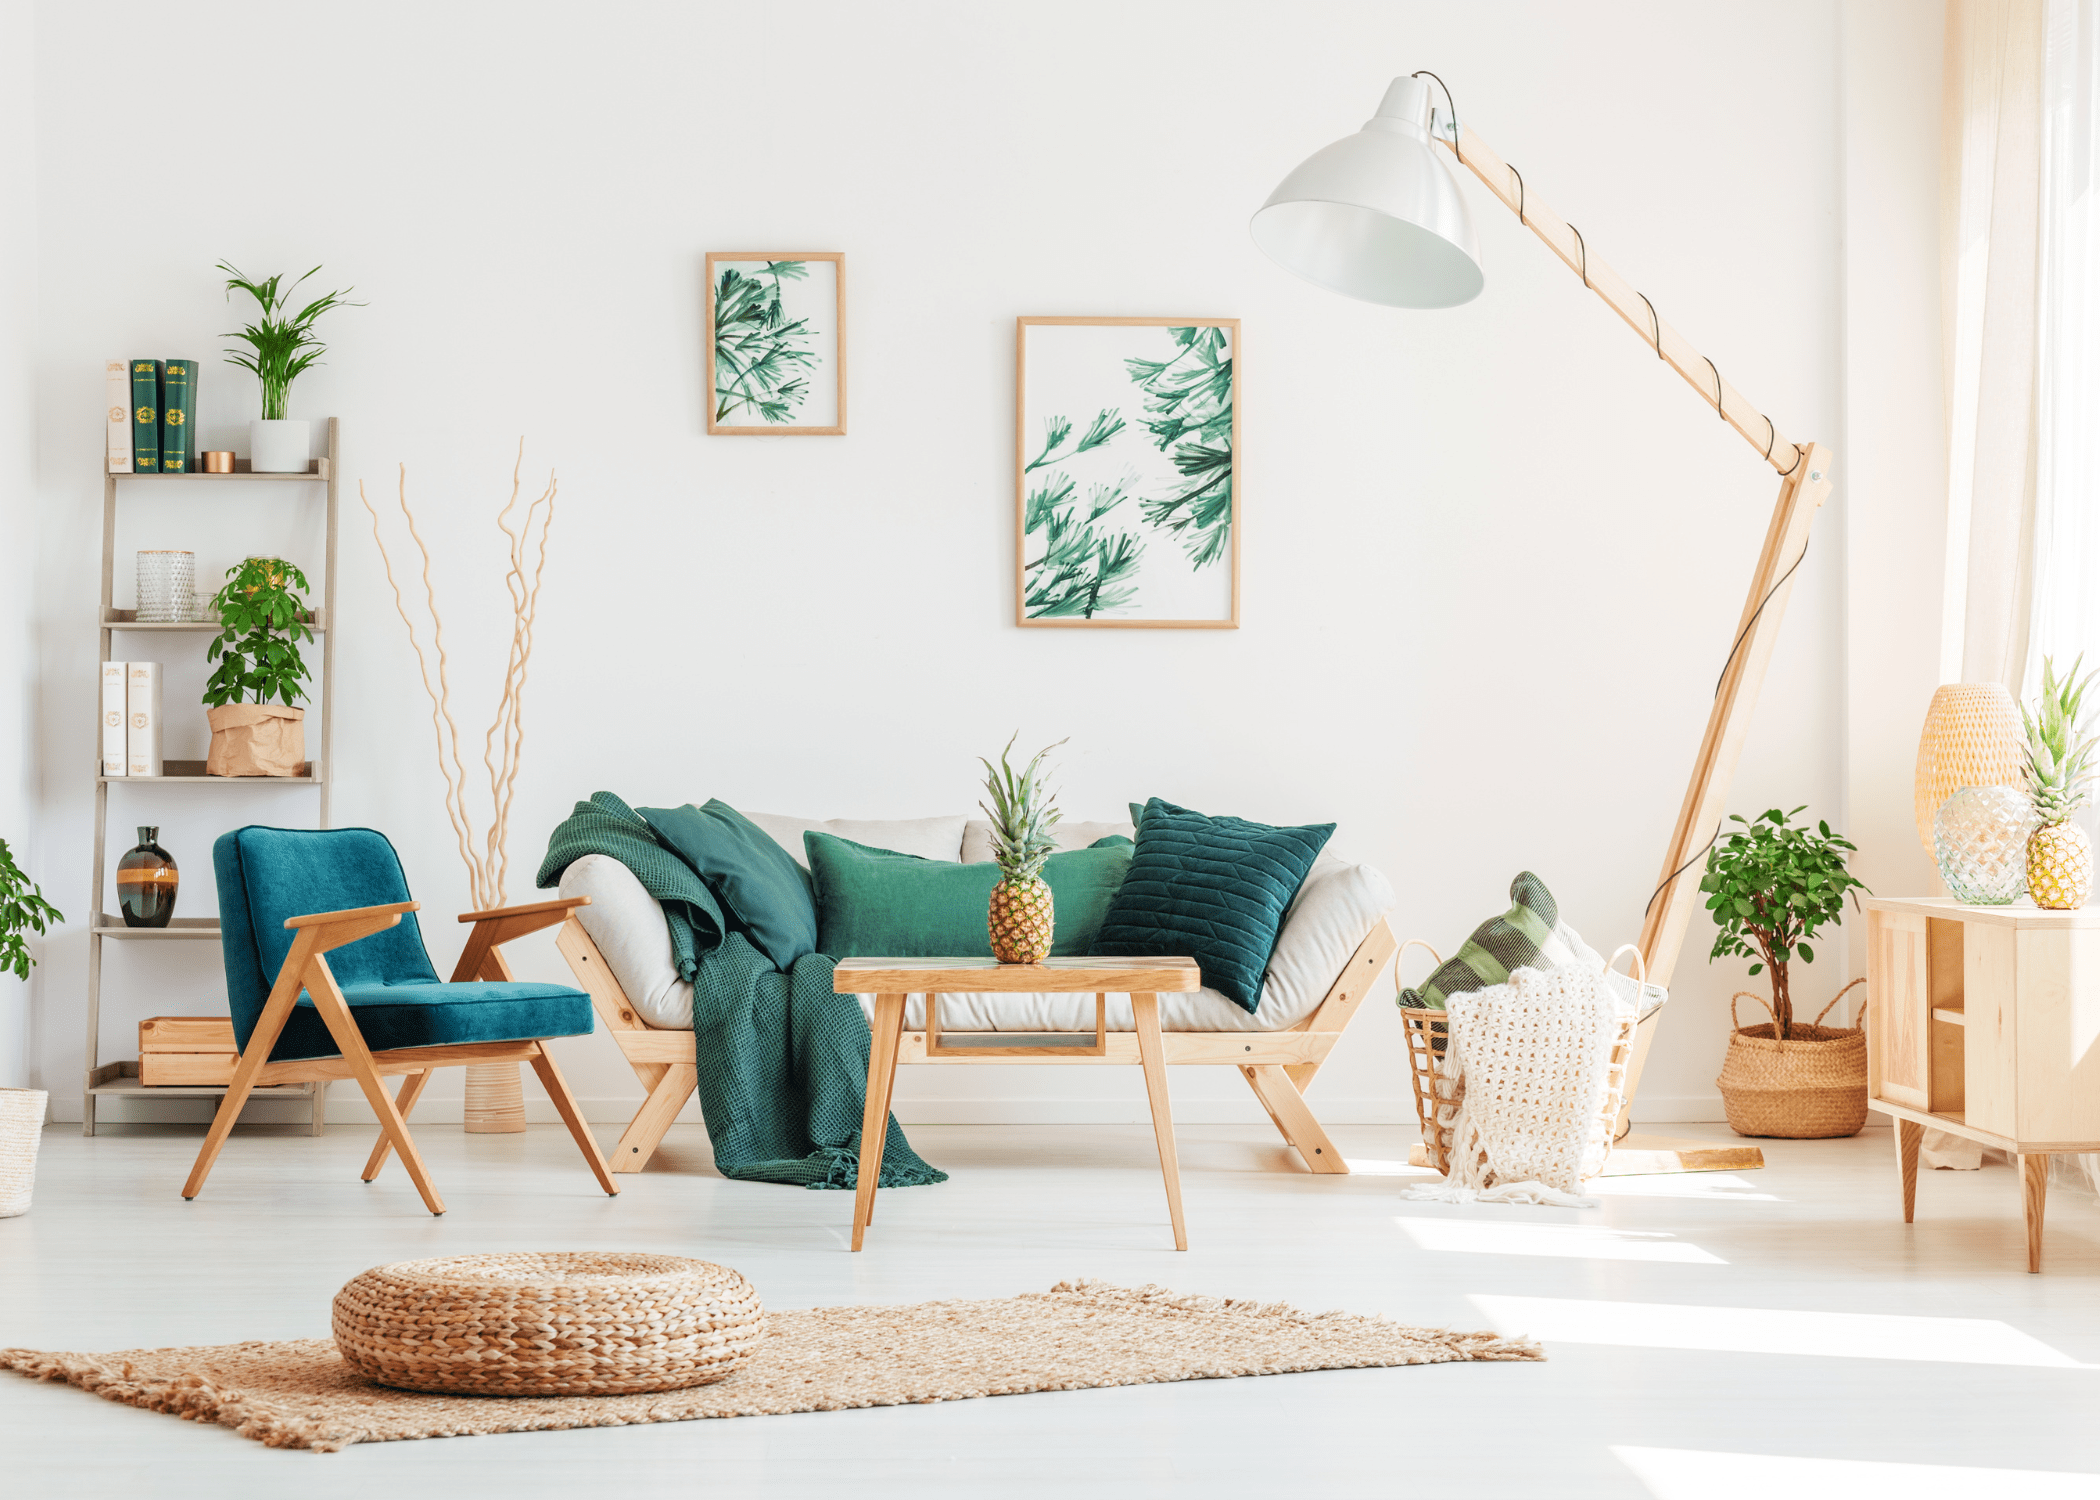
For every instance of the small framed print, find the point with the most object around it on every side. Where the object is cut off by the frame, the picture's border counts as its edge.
(1127, 472)
(776, 343)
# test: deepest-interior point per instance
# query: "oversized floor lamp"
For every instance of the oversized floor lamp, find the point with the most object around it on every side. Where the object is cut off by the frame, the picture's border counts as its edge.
(1380, 217)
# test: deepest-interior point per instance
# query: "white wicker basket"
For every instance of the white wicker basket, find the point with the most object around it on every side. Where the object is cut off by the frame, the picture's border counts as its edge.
(21, 1128)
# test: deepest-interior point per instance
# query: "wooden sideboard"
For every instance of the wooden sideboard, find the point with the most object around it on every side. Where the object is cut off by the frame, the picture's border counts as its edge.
(1984, 1022)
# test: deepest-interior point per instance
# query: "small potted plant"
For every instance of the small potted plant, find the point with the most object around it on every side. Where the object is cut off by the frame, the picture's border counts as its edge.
(23, 909)
(1772, 886)
(281, 345)
(257, 729)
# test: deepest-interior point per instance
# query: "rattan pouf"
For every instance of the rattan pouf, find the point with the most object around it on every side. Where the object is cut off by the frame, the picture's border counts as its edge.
(570, 1323)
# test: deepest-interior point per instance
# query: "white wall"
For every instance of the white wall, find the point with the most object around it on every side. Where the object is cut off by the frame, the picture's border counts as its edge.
(18, 494)
(1493, 556)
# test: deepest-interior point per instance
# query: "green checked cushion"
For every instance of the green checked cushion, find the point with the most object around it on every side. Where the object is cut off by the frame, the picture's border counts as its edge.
(1527, 936)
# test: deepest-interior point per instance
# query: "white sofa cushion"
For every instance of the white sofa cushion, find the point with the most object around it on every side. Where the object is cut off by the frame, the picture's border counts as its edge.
(1335, 911)
(929, 838)
(977, 837)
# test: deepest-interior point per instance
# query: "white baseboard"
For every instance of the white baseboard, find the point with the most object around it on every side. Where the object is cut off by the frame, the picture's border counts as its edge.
(347, 1107)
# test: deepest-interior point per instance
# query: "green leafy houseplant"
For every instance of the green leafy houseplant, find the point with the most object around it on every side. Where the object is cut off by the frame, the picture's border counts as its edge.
(281, 343)
(22, 909)
(1771, 887)
(262, 613)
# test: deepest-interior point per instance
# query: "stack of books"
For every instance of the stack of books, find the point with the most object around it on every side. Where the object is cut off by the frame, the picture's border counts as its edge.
(131, 718)
(152, 410)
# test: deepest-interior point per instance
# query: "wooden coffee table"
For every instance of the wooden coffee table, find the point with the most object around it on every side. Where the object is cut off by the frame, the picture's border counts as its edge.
(893, 980)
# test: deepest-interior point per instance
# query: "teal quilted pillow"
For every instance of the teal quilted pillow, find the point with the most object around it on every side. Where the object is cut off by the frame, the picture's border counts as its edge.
(1213, 889)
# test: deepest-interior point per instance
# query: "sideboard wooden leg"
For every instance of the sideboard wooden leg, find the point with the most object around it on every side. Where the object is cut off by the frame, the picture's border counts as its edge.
(1909, 1138)
(2034, 1197)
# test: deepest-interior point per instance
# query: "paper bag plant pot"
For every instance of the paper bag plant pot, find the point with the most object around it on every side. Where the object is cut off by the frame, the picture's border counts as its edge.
(256, 739)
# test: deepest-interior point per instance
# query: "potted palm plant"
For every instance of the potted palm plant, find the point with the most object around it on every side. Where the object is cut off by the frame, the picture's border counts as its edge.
(281, 346)
(257, 729)
(23, 909)
(1772, 886)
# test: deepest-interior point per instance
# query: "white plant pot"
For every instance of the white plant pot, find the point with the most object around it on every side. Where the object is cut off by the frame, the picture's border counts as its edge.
(280, 447)
(21, 1131)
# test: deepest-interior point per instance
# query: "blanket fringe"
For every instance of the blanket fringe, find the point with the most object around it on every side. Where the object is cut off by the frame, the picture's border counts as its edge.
(1501, 1192)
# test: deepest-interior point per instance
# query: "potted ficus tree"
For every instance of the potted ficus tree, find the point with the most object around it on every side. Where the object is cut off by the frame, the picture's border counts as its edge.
(23, 910)
(257, 729)
(1773, 885)
(281, 346)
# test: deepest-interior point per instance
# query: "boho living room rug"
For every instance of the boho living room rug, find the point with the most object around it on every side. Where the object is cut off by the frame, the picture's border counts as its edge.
(298, 1393)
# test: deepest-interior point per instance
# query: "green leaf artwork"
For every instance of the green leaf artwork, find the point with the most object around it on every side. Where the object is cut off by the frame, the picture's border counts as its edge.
(1188, 407)
(763, 358)
(1126, 514)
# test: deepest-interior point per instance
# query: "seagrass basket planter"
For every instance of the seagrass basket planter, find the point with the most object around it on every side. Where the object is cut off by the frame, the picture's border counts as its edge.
(574, 1323)
(1809, 1085)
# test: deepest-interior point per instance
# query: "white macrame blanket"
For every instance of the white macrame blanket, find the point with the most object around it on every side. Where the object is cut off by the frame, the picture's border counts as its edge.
(1534, 1059)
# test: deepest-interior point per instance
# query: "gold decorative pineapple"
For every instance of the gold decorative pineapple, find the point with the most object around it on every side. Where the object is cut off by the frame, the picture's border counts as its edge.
(1022, 916)
(2059, 779)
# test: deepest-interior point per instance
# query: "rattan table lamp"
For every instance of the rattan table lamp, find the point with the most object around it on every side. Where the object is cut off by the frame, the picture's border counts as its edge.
(1972, 737)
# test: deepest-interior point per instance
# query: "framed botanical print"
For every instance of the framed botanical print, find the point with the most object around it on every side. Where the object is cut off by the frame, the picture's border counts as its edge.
(1127, 472)
(776, 343)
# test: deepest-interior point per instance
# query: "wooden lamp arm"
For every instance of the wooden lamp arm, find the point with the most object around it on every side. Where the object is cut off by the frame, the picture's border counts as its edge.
(1565, 241)
(492, 929)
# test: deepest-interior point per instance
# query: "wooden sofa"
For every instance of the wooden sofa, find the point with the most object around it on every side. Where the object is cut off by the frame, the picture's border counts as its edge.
(1334, 944)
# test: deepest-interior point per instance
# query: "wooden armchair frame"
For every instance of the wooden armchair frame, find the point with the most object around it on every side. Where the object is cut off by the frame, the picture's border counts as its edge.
(1276, 1064)
(306, 968)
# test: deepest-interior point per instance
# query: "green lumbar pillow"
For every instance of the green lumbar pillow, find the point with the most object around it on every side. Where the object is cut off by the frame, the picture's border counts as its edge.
(1527, 936)
(764, 890)
(876, 903)
(1212, 889)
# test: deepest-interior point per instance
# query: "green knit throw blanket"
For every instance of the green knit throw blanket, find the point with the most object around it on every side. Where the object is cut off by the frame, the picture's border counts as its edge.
(782, 1060)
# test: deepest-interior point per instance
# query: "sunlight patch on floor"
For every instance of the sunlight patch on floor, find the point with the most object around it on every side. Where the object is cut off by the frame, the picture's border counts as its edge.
(1687, 1474)
(1758, 1330)
(1573, 1241)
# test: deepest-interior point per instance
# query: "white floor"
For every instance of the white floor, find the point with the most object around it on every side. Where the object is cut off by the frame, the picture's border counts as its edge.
(1777, 1333)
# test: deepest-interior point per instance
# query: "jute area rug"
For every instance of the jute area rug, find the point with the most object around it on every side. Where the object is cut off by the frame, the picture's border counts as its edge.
(298, 1393)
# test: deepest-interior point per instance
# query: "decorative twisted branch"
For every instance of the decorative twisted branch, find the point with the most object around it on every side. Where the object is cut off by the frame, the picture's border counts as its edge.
(487, 860)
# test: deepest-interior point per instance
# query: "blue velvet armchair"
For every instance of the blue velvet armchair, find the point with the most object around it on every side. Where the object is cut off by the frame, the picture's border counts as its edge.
(290, 897)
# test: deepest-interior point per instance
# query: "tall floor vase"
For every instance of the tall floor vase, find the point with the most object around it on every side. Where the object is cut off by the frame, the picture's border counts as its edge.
(495, 1099)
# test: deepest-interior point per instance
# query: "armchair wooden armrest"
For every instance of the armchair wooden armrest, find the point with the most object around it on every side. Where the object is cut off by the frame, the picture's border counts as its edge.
(339, 928)
(492, 929)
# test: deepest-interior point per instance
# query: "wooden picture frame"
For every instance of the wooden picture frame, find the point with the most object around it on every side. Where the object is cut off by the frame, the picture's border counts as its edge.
(804, 344)
(1131, 499)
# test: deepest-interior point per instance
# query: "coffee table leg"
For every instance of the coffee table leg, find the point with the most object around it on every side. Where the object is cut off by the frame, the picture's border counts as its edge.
(1154, 1056)
(875, 1114)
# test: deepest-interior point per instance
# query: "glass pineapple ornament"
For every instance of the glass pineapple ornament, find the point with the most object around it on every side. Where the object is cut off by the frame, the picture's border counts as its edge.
(1023, 918)
(2059, 780)
(147, 881)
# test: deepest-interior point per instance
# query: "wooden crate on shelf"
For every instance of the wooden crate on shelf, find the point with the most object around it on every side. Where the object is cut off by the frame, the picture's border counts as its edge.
(186, 1051)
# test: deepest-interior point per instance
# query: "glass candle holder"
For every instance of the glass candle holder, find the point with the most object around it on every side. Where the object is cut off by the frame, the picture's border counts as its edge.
(147, 881)
(167, 579)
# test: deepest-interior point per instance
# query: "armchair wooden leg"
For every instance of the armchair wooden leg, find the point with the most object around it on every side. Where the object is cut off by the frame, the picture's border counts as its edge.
(645, 1132)
(1294, 1118)
(411, 1091)
(335, 1011)
(557, 1089)
(268, 1027)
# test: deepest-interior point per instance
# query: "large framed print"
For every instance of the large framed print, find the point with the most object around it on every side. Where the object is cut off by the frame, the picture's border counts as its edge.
(1127, 472)
(776, 343)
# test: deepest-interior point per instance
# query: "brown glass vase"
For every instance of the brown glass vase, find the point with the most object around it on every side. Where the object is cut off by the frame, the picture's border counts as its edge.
(146, 883)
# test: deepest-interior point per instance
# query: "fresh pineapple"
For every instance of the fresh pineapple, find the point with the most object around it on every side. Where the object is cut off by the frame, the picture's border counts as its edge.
(2059, 779)
(1022, 916)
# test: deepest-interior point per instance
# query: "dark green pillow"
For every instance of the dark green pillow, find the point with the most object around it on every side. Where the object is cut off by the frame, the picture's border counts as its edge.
(876, 903)
(1213, 889)
(1498, 947)
(758, 881)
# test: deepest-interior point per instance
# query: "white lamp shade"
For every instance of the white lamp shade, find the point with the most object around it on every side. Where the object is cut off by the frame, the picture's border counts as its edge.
(1378, 216)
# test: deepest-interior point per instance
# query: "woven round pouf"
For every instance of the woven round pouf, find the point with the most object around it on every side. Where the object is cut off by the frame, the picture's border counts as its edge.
(570, 1323)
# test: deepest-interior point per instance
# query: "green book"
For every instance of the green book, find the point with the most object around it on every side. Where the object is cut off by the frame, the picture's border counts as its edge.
(178, 414)
(145, 416)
